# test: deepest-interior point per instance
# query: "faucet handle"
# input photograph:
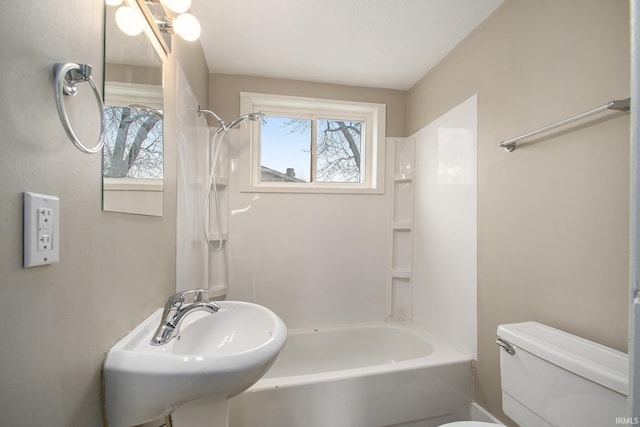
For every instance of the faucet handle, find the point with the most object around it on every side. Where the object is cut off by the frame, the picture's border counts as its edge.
(198, 296)
(178, 299)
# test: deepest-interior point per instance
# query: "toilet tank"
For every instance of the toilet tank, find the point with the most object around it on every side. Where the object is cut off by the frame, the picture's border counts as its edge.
(558, 379)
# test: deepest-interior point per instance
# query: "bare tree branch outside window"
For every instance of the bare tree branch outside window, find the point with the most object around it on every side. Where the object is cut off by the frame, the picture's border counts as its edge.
(339, 149)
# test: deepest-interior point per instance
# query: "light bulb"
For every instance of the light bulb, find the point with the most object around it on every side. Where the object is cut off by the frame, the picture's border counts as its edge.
(113, 2)
(129, 21)
(178, 6)
(187, 27)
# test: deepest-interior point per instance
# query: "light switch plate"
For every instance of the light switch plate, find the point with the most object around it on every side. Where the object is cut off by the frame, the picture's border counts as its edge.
(41, 231)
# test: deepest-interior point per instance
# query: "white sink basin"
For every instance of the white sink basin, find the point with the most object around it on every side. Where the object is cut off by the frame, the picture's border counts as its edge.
(215, 355)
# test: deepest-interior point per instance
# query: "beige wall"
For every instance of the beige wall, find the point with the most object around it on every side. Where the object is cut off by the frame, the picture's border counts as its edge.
(60, 320)
(224, 95)
(553, 215)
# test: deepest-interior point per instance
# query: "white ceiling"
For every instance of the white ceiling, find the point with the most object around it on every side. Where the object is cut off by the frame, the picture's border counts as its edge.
(372, 43)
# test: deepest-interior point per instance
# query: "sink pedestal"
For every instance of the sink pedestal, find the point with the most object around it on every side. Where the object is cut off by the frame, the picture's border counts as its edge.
(202, 413)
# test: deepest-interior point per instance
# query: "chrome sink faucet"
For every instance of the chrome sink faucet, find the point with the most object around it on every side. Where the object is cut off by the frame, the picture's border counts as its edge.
(176, 309)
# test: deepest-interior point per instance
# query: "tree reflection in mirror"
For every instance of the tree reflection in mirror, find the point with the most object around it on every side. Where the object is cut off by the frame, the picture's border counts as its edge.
(133, 144)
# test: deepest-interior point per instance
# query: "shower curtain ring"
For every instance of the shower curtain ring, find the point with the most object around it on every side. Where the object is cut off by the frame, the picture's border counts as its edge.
(65, 81)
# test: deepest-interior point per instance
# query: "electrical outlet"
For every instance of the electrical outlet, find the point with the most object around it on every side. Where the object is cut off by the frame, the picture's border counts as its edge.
(45, 216)
(41, 238)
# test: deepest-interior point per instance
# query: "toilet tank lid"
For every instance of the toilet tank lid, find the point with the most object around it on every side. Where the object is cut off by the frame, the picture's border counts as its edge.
(596, 362)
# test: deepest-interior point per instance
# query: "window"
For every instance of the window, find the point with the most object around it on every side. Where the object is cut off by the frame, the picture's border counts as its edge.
(315, 145)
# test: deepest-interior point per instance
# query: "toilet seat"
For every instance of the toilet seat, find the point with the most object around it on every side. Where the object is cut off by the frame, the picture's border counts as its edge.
(470, 424)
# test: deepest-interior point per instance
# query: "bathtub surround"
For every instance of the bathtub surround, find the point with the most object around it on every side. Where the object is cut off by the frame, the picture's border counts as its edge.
(432, 181)
(445, 241)
(197, 266)
(553, 215)
(315, 259)
(309, 247)
(192, 169)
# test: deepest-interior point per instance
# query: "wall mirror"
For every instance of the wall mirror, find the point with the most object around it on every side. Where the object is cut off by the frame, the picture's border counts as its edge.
(133, 154)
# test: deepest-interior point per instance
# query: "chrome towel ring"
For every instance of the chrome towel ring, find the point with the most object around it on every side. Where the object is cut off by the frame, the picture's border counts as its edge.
(66, 77)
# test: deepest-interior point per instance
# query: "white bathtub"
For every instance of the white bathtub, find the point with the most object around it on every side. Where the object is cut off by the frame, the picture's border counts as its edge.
(364, 375)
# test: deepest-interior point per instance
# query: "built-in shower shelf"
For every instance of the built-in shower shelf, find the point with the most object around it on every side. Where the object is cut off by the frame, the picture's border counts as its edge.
(401, 273)
(215, 237)
(221, 182)
(403, 177)
(399, 276)
(402, 226)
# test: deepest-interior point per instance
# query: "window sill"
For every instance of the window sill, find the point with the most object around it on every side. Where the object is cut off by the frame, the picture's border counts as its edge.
(311, 190)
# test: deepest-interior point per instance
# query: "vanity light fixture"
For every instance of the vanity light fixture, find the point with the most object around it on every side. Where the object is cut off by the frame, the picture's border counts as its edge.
(185, 25)
(129, 21)
(177, 6)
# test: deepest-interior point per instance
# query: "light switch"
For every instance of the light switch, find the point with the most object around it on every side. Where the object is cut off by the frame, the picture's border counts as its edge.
(41, 239)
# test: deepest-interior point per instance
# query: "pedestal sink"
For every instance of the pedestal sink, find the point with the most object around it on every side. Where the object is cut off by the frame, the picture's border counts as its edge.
(214, 357)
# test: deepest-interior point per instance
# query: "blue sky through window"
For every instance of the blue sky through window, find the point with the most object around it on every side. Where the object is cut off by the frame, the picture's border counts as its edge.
(281, 148)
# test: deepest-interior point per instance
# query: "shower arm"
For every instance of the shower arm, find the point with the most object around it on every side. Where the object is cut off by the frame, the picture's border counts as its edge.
(223, 125)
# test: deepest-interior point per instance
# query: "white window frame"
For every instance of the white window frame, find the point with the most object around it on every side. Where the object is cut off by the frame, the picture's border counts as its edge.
(121, 94)
(373, 143)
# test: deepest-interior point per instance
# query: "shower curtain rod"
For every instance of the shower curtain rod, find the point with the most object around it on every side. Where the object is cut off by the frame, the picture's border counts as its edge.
(618, 105)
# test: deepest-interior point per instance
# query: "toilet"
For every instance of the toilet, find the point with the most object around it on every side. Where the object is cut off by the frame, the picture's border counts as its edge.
(551, 378)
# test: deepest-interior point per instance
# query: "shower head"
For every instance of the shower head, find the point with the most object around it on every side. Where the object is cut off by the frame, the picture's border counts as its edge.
(254, 117)
(144, 109)
(251, 116)
(223, 126)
